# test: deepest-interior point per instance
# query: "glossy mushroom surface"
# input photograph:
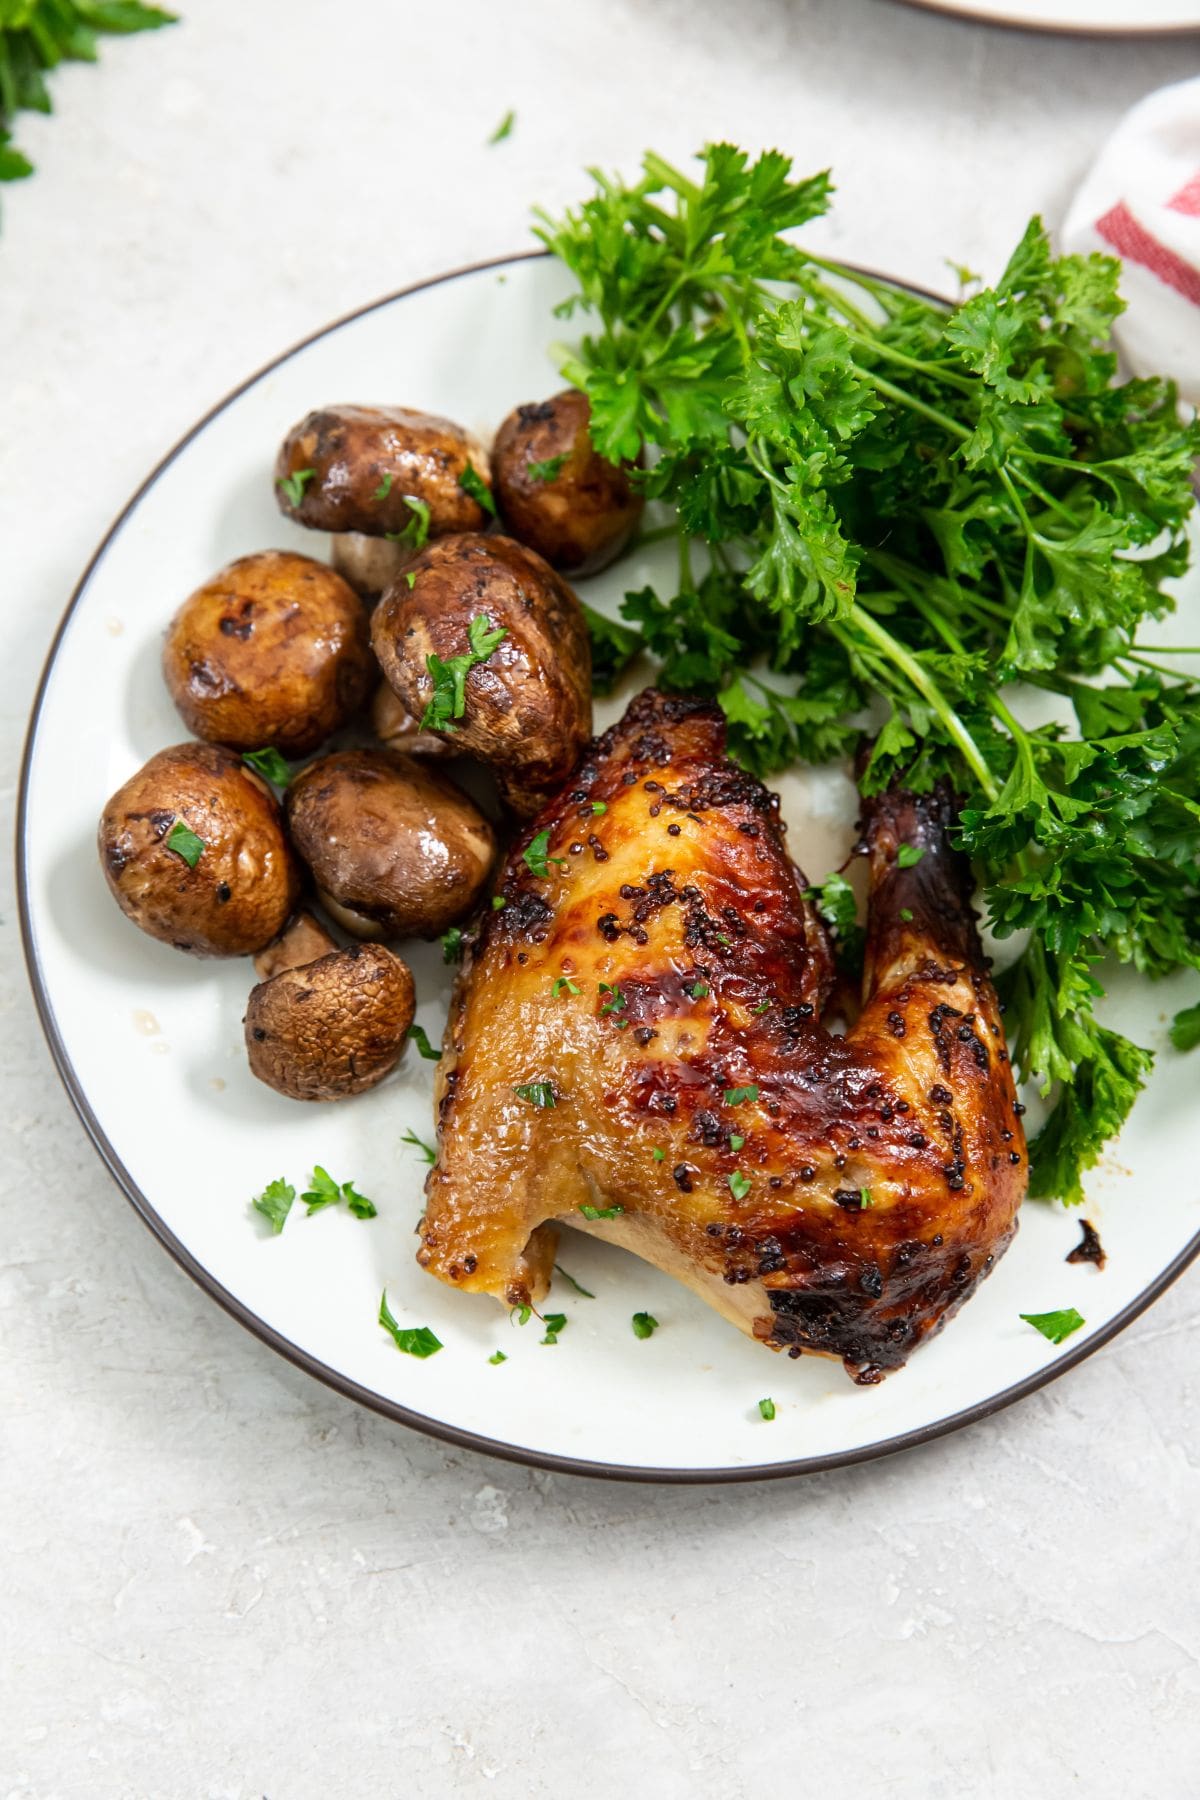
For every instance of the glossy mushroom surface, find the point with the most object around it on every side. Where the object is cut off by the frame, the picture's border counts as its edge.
(556, 492)
(395, 849)
(350, 468)
(527, 706)
(194, 853)
(273, 652)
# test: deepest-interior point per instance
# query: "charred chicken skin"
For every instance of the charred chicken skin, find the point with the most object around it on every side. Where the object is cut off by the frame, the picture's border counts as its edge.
(636, 1046)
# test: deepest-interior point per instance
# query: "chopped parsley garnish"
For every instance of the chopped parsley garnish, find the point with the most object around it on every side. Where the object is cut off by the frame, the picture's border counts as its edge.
(762, 1007)
(410, 575)
(735, 1096)
(384, 488)
(563, 985)
(535, 858)
(471, 482)
(498, 902)
(905, 915)
(699, 990)
(735, 1140)
(420, 1038)
(536, 1093)
(414, 1340)
(294, 485)
(908, 856)
(504, 128)
(522, 1314)
(616, 1001)
(185, 843)
(1057, 1326)
(739, 1185)
(767, 1409)
(600, 1212)
(1185, 1028)
(497, 1356)
(599, 806)
(722, 939)
(275, 1203)
(834, 900)
(269, 764)
(864, 1199)
(554, 1323)
(448, 700)
(325, 1191)
(452, 944)
(416, 531)
(546, 471)
(579, 1288)
(644, 1324)
(427, 1150)
(659, 1155)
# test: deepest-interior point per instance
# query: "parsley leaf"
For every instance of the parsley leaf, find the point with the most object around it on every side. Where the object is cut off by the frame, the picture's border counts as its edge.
(600, 1212)
(908, 856)
(420, 1038)
(644, 1324)
(1057, 1326)
(448, 700)
(535, 858)
(504, 128)
(497, 1356)
(426, 1150)
(739, 1185)
(579, 1289)
(1185, 1028)
(414, 1340)
(536, 1093)
(471, 482)
(185, 843)
(416, 532)
(275, 1203)
(384, 488)
(269, 764)
(554, 1323)
(452, 944)
(563, 984)
(735, 1096)
(325, 1191)
(545, 471)
(293, 485)
(767, 1409)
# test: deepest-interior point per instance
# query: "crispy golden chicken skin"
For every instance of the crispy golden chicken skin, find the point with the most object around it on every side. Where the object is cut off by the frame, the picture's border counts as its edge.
(638, 1031)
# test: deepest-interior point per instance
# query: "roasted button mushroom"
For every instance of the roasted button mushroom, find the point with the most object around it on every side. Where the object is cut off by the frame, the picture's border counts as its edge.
(333, 1027)
(395, 849)
(273, 651)
(556, 493)
(395, 726)
(354, 468)
(193, 849)
(525, 707)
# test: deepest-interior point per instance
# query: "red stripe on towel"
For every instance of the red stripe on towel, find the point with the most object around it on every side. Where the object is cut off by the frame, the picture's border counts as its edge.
(1119, 228)
(1187, 200)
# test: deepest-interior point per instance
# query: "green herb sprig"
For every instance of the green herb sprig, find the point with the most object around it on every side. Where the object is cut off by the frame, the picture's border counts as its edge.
(891, 508)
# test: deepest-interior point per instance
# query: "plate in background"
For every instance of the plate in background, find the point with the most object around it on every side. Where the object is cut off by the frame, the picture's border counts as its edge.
(1095, 17)
(149, 1042)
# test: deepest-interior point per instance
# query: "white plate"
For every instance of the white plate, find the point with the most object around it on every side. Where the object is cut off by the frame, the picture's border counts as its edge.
(1100, 17)
(149, 1042)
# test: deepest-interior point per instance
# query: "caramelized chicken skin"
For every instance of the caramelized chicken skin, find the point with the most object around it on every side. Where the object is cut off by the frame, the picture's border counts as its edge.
(662, 987)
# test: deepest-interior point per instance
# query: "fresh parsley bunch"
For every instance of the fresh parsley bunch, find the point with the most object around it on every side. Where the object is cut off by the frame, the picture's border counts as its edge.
(35, 36)
(906, 509)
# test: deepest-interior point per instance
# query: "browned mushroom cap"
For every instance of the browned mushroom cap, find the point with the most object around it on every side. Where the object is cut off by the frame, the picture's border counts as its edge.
(395, 849)
(332, 1027)
(395, 726)
(193, 849)
(556, 493)
(273, 651)
(352, 467)
(528, 705)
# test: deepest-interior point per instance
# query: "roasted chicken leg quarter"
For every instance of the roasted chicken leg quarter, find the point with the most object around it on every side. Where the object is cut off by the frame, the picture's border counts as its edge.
(636, 1045)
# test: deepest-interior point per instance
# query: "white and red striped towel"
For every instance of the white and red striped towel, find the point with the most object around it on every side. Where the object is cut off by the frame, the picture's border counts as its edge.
(1141, 202)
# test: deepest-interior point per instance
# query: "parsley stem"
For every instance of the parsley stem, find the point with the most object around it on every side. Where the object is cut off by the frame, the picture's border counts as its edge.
(929, 691)
(914, 405)
(937, 371)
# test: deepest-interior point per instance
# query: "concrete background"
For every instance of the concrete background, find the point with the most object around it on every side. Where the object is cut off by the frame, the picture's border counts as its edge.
(221, 1581)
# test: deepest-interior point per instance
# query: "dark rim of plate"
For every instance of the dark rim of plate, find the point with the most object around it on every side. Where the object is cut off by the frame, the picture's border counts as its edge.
(311, 1365)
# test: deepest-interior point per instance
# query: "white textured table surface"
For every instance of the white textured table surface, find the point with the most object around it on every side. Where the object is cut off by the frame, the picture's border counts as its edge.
(220, 1580)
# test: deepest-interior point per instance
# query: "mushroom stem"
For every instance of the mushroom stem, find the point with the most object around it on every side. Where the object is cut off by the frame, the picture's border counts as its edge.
(301, 941)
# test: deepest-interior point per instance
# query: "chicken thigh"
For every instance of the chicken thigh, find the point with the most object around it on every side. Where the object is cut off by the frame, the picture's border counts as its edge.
(636, 1046)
